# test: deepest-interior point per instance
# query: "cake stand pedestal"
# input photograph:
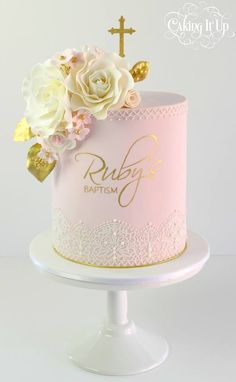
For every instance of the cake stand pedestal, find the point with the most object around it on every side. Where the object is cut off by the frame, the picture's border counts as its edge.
(118, 346)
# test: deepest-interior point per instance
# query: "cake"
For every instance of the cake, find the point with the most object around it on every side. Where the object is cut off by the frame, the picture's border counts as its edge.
(118, 159)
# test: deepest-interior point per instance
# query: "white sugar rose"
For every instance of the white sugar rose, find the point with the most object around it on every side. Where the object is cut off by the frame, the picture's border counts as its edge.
(99, 83)
(46, 98)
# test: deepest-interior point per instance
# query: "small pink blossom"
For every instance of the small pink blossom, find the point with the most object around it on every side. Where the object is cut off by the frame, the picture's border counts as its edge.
(69, 57)
(98, 52)
(80, 125)
(82, 134)
(48, 156)
(57, 143)
(81, 119)
(76, 59)
(57, 140)
(79, 134)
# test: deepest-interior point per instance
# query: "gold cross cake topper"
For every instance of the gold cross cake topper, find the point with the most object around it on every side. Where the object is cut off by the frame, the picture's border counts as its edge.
(121, 31)
(141, 69)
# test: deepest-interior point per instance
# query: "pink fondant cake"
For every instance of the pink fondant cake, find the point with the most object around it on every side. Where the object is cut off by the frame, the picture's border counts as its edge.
(119, 198)
(119, 158)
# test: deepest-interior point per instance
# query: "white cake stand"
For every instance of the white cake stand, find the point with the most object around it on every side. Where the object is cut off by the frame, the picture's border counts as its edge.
(119, 347)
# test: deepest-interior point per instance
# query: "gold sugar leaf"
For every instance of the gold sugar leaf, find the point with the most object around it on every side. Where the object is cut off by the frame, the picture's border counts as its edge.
(38, 167)
(140, 70)
(23, 131)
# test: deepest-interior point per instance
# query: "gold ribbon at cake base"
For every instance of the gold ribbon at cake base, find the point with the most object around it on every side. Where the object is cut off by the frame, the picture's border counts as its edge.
(37, 166)
(23, 131)
(123, 267)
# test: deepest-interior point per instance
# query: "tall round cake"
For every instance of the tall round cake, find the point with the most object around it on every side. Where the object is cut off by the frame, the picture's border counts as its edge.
(118, 158)
(119, 198)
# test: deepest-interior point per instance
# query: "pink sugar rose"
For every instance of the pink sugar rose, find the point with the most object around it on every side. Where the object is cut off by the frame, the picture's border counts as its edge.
(132, 98)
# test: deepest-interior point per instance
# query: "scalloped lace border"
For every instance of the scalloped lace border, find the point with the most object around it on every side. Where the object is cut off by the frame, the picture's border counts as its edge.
(117, 243)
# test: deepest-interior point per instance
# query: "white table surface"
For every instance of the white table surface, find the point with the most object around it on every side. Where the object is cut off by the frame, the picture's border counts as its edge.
(39, 316)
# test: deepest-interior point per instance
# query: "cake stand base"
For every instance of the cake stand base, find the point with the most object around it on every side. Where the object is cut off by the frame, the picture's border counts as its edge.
(118, 346)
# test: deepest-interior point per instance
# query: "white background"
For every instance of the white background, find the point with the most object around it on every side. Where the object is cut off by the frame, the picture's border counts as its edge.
(32, 31)
(40, 319)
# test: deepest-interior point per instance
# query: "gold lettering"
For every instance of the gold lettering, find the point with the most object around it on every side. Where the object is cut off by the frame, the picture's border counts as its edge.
(100, 189)
(131, 171)
(91, 173)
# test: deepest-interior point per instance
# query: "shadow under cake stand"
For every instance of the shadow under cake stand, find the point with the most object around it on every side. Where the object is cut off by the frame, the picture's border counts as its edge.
(119, 347)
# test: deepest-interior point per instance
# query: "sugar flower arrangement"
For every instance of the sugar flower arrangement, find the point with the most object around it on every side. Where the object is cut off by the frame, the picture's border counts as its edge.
(64, 94)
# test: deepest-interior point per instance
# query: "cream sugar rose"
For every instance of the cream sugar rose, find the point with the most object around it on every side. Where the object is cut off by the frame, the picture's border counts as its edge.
(119, 159)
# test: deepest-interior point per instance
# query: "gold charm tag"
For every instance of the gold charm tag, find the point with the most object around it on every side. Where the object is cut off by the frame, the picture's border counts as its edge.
(38, 167)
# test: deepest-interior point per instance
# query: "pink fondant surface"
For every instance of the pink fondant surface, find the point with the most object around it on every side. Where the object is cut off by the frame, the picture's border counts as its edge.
(157, 197)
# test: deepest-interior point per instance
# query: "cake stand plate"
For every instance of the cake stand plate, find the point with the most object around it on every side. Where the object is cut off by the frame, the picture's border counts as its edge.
(118, 346)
